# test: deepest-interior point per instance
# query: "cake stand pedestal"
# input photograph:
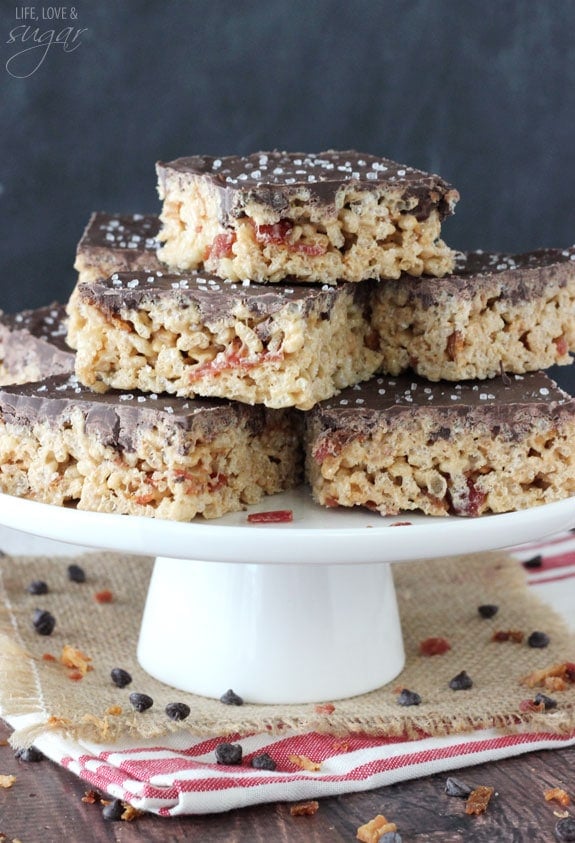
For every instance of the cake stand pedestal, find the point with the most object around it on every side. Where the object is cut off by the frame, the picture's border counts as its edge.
(280, 613)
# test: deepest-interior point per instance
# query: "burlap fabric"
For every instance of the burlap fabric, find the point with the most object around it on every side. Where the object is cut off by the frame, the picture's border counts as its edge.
(436, 597)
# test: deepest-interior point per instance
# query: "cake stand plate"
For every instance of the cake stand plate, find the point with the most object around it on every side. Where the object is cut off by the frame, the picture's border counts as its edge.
(282, 613)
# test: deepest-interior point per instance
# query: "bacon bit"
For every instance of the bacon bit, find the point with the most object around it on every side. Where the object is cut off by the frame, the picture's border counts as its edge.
(104, 596)
(276, 516)
(232, 359)
(374, 830)
(305, 763)
(325, 708)
(531, 705)
(142, 500)
(434, 646)
(565, 672)
(332, 503)
(478, 799)
(7, 781)
(114, 710)
(92, 797)
(76, 659)
(221, 246)
(304, 809)
(515, 635)
(402, 524)
(455, 344)
(311, 249)
(48, 657)
(557, 794)
(562, 345)
(75, 675)
(276, 233)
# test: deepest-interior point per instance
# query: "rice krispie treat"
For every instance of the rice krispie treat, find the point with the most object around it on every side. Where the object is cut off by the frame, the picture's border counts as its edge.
(114, 242)
(280, 346)
(319, 218)
(142, 455)
(497, 313)
(398, 444)
(33, 344)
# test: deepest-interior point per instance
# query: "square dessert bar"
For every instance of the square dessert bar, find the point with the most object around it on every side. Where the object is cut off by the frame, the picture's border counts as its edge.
(496, 313)
(199, 335)
(142, 455)
(114, 242)
(319, 218)
(33, 345)
(399, 444)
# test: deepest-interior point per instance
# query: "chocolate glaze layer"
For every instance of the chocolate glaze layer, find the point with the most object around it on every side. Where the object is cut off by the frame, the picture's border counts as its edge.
(215, 298)
(36, 337)
(115, 418)
(513, 402)
(275, 178)
(120, 231)
(513, 278)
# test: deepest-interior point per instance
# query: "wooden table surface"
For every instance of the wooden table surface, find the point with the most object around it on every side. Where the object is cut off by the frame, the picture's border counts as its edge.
(45, 806)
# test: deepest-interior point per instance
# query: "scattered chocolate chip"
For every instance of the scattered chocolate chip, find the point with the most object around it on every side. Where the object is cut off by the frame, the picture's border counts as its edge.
(120, 677)
(534, 562)
(548, 702)
(177, 711)
(538, 639)
(264, 761)
(565, 829)
(229, 753)
(455, 787)
(408, 698)
(461, 682)
(43, 622)
(141, 702)
(37, 587)
(231, 698)
(30, 754)
(76, 573)
(114, 810)
(487, 610)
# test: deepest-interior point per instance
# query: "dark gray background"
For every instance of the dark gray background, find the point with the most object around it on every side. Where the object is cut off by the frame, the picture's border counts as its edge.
(480, 91)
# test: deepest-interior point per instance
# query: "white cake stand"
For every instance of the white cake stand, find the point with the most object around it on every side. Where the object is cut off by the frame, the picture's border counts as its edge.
(281, 613)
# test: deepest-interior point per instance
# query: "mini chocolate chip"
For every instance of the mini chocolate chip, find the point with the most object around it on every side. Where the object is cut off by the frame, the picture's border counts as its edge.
(30, 754)
(231, 698)
(229, 753)
(534, 562)
(37, 587)
(120, 677)
(408, 698)
(461, 682)
(538, 639)
(264, 761)
(548, 702)
(113, 811)
(43, 622)
(487, 610)
(565, 829)
(76, 573)
(455, 787)
(177, 711)
(141, 702)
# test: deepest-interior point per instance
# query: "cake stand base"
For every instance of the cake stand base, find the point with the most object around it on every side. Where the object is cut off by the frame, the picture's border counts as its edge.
(291, 633)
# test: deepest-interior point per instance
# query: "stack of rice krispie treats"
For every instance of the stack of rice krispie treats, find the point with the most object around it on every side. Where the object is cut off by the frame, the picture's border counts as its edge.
(288, 308)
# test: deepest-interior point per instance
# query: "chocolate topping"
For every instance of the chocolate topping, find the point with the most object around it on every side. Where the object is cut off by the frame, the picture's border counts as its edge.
(274, 178)
(514, 278)
(513, 401)
(116, 417)
(121, 231)
(214, 297)
(36, 337)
